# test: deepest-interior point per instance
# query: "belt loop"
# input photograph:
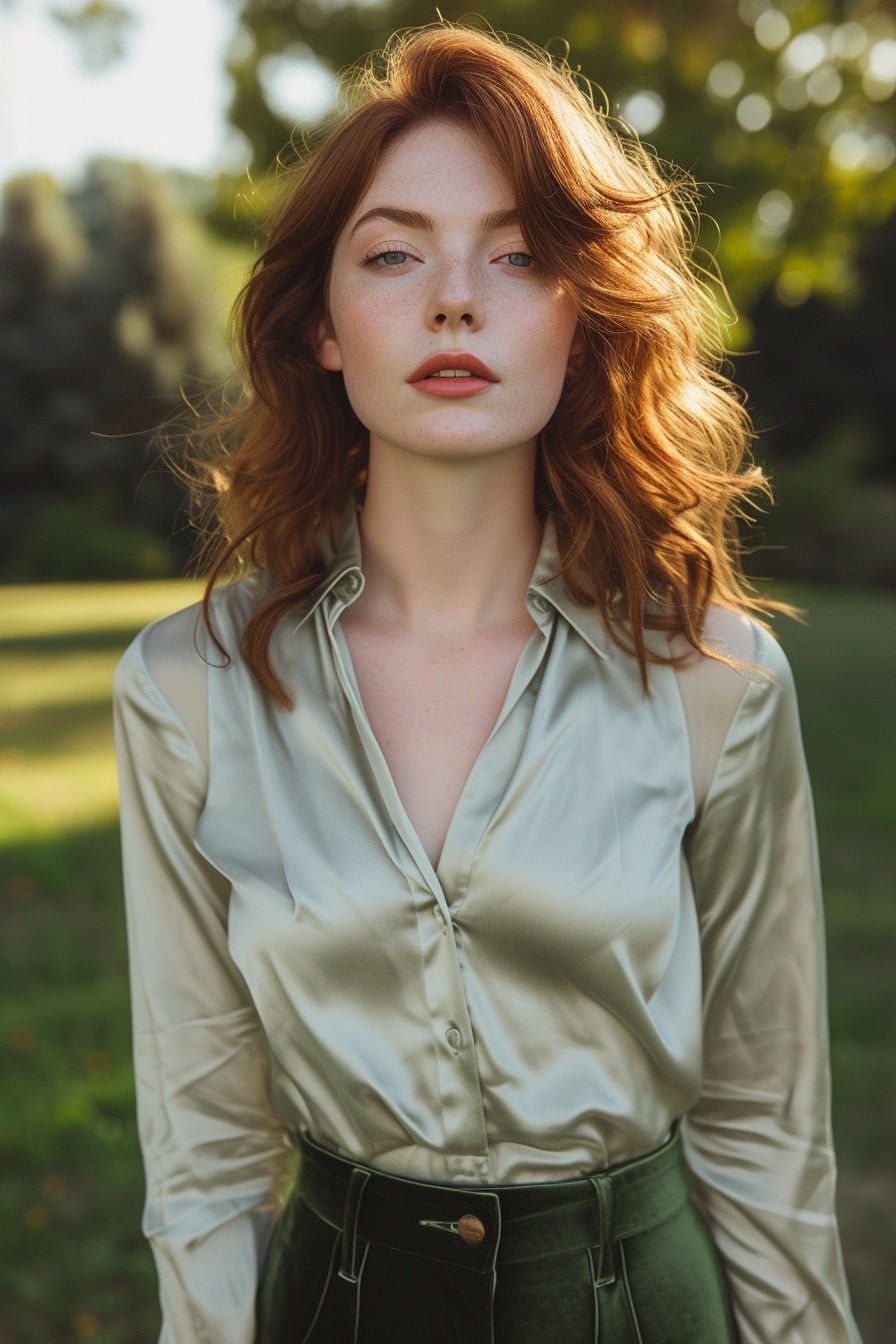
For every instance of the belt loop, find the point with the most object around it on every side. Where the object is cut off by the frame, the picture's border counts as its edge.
(605, 1270)
(348, 1266)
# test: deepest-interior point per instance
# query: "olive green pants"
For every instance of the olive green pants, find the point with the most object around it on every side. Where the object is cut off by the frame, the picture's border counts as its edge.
(621, 1257)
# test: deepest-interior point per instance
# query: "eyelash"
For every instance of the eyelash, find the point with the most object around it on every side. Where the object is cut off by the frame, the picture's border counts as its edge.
(405, 255)
(388, 252)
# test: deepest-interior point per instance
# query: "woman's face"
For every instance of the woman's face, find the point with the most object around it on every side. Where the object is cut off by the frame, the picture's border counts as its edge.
(451, 339)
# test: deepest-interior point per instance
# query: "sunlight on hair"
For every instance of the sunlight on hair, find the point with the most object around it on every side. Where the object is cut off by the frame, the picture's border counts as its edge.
(644, 466)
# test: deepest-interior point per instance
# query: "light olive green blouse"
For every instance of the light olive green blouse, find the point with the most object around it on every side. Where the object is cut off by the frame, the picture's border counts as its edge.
(623, 931)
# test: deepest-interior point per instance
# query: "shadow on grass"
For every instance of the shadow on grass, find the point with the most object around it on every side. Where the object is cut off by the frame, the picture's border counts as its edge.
(46, 731)
(105, 640)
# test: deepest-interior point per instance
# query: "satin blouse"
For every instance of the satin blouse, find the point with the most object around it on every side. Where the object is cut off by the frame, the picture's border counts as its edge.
(623, 931)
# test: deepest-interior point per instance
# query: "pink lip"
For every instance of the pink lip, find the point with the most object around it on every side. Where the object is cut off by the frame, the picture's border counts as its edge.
(480, 374)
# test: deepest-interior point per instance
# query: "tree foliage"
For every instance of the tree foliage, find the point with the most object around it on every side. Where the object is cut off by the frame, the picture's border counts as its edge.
(103, 317)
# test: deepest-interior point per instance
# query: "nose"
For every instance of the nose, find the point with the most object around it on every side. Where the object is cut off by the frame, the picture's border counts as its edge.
(455, 301)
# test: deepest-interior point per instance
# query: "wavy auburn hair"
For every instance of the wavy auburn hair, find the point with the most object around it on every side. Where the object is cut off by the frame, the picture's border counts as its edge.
(643, 465)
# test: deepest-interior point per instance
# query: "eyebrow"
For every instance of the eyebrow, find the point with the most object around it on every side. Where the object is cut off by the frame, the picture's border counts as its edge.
(413, 219)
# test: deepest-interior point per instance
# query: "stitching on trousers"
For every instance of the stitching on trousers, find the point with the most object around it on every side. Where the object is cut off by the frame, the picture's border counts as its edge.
(358, 1292)
(620, 1251)
(354, 1195)
(595, 1293)
(306, 1338)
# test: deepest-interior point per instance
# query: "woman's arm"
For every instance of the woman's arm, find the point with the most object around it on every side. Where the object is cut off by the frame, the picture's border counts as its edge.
(759, 1139)
(213, 1152)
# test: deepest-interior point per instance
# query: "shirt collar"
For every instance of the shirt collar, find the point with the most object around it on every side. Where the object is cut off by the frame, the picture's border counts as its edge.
(547, 592)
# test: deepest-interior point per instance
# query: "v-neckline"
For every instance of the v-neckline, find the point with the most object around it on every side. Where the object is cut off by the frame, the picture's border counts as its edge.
(530, 658)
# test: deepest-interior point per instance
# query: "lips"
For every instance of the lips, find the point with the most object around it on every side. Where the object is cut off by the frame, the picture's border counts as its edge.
(453, 364)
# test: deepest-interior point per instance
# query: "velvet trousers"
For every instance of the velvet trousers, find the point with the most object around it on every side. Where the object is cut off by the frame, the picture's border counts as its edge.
(619, 1257)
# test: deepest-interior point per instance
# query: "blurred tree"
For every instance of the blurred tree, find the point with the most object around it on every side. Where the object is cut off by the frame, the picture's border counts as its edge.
(102, 29)
(851, 378)
(103, 317)
(824, 402)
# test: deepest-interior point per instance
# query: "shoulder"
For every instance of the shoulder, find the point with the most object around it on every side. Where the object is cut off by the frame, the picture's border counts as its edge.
(177, 650)
(713, 692)
(754, 657)
(165, 669)
(163, 674)
(164, 653)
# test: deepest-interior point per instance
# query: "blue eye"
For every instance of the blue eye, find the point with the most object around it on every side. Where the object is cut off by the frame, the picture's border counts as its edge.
(391, 258)
(521, 260)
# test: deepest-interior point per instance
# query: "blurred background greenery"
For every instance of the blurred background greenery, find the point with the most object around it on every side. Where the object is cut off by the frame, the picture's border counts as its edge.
(114, 291)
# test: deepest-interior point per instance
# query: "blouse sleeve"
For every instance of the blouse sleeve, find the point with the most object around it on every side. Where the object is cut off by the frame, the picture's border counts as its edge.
(213, 1152)
(759, 1139)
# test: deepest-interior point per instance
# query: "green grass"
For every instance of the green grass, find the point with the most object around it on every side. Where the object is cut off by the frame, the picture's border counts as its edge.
(845, 664)
(73, 1265)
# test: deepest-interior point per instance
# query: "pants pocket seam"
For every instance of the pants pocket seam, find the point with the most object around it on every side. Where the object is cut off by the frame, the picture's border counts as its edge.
(307, 1337)
(630, 1301)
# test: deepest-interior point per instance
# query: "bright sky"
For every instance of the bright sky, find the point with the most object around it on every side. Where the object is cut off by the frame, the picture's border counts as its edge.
(164, 103)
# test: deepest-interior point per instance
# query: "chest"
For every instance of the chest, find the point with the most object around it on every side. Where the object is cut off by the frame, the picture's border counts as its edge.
(563, 845)
(431, 705)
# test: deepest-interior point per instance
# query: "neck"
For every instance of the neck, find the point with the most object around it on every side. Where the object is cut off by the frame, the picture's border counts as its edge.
(448, 545)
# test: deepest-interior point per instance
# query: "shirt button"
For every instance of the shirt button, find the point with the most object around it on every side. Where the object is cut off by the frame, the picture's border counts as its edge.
(348, 586)
(454, 1038)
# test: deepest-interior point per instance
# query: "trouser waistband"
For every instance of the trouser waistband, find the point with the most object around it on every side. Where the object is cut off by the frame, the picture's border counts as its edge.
(480, 1227)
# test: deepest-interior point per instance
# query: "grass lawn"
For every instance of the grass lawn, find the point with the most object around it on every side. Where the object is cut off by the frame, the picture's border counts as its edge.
(73, 1265)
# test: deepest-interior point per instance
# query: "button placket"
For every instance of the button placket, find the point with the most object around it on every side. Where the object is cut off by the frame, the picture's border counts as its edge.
(457, 1076)
(457, 1082)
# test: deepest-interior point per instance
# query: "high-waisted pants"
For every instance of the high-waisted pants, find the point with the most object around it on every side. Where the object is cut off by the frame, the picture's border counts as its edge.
(619, 1257)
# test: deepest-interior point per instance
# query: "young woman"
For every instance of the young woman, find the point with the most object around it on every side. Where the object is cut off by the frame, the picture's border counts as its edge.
(468, 843)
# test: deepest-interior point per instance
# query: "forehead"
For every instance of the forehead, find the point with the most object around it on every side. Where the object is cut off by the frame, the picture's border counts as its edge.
(437, 163)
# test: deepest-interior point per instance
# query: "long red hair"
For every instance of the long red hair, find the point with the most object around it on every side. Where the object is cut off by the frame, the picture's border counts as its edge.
(643, 466)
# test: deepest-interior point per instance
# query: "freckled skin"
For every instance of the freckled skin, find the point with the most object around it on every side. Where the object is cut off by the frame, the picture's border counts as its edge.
(399, 293)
